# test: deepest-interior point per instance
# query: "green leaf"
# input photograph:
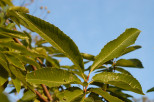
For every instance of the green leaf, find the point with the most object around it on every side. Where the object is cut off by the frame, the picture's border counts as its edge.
(28, 95)
(129, 63)
(16, 83)
(54, 62)
(52, 77)
(105, 95)
(4, 98)
(19, 9)
(151, 90)
(119, 94)
(88, 56)
(28, 60)
(15, 61)
(52, 34)
(130, 49)
(4, 38)
(12, 33)
(3, 62)
(3, 75)
(5, 2)
(124, 81)
(69, 95)
(122, 70)
(20, 49)
(116, 47)
(20, 76)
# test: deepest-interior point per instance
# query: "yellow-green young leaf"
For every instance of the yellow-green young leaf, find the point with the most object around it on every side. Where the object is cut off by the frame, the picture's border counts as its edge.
(20, 48)
(52, 34)
(28, 95)
(19, 9)
(130, 49)
(52, 77)
(151, 90)
(12, 33)
(124, 81)
(41, 51)
(105, 95)
(3, 75)
(5, 2)
(16, 83)
(129, 63)
(69, 95)
(12, 59)
(116, 47)
(51, 50)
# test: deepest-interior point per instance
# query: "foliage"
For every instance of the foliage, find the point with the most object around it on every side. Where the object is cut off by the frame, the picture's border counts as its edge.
(37, 69)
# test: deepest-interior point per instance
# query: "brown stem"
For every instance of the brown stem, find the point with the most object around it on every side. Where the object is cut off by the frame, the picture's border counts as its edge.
(40, 96)
(34, 68)
(46, 92)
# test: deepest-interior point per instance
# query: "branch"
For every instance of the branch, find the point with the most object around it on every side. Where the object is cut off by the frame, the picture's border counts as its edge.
(34, 68)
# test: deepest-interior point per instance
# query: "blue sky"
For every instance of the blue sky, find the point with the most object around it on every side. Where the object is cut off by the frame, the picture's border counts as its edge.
(93, 23)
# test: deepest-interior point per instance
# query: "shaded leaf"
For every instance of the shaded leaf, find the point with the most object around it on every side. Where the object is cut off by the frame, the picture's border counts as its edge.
(122, 70)
(69, 96)
(4, 98)
(52, 77)
(54, 62)
(151, 90)
(28, 95)
(124, 81)
(16, 83)
(3, 75)
(116, 47)
(130, 49)
(51, 34)
(106, 95)
(129, 63)
(88, 56)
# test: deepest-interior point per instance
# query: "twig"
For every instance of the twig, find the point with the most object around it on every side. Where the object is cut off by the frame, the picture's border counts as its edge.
(40, 96)
(34, 68)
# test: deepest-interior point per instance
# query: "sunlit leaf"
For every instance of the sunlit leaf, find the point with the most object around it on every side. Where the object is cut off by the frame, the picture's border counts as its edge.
(52, 34)
(51, 77)
(129, 63)
(124, 81)
(12, 33)
(19, 9)
(116, 47)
